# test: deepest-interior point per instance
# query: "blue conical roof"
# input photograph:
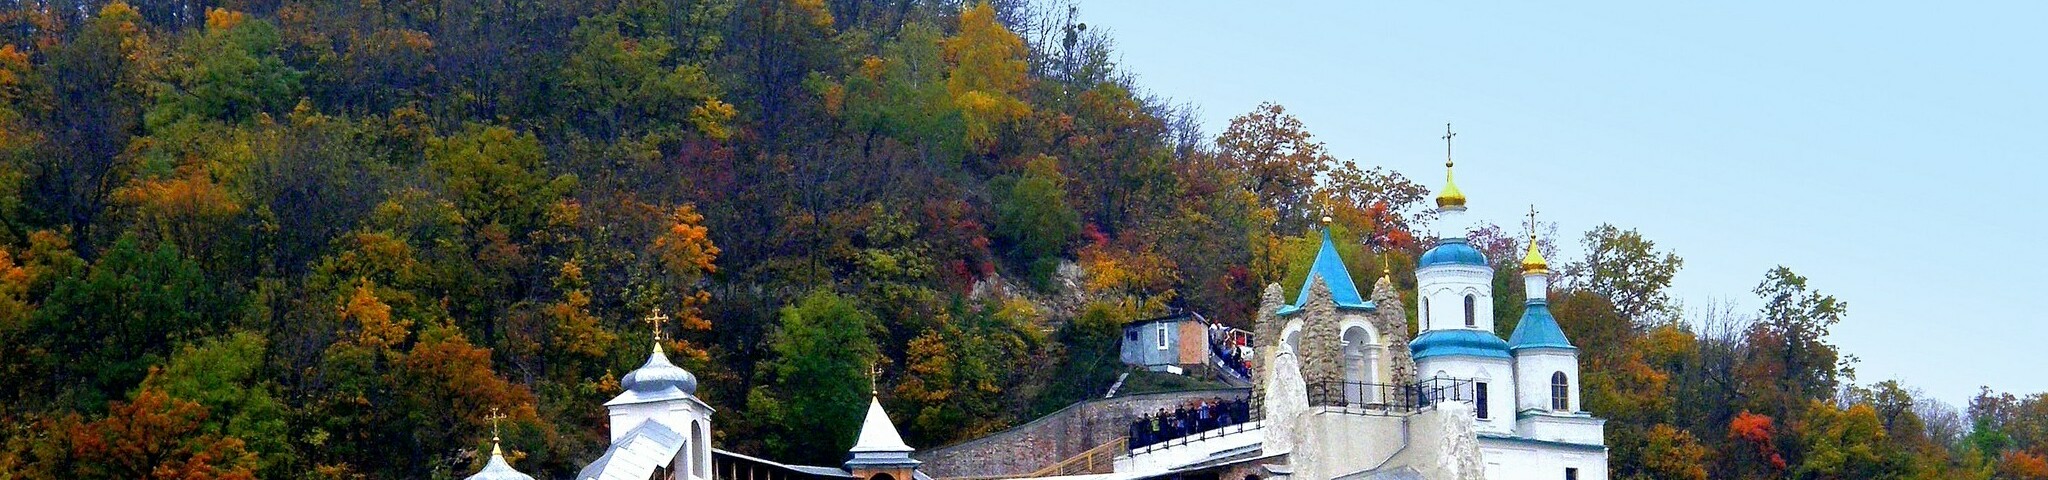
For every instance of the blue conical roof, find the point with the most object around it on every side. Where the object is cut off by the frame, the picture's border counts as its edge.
(1330, 267)
(1538, 329)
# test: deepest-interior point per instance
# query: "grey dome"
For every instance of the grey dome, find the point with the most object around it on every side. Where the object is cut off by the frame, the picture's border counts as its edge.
(659, 374)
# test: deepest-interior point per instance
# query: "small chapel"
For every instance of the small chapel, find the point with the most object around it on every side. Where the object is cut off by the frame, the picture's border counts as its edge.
(660, 430)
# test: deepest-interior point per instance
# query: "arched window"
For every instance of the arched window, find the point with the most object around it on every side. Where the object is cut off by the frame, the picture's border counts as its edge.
(1471, 318)
(1560, 392)
(1425, 313)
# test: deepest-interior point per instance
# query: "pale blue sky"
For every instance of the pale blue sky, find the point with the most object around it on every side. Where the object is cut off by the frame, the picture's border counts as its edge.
(1890, 152)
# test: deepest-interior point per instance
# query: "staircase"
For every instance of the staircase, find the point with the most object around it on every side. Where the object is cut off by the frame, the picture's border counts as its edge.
(1224, 372)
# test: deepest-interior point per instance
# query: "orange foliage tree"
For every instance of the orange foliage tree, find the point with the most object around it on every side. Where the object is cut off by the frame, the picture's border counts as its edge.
(154, 436)
(1756, 432)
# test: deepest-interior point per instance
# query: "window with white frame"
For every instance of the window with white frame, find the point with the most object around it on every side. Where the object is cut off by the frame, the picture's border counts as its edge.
(1162, 335)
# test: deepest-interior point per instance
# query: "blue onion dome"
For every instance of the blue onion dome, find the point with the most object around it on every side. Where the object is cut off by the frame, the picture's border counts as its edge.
(1466, 342)
(659, 374)
(1452, 251)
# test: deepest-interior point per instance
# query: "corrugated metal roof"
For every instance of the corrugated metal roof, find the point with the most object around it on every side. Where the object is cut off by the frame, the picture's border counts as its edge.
(808, 469)
(635, 455)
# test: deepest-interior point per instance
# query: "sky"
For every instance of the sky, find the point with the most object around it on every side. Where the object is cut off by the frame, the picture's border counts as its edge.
(1892, 153)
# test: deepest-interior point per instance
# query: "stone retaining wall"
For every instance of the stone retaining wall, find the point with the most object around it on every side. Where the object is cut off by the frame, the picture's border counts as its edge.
(1050, 439)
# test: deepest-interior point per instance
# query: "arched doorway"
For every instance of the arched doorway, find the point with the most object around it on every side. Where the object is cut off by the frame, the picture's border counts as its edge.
(1361, 366)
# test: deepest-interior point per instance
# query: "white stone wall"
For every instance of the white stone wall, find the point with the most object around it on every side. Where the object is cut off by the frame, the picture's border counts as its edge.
(1334, 443)
(1577, 428)
(1533, 369)
(1497, 373)
(1445, 288)
(1511, 460)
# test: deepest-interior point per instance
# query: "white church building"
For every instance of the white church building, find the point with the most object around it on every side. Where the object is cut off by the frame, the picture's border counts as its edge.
(1344, 393)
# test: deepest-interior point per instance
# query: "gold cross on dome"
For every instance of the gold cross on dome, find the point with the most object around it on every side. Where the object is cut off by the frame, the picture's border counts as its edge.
(1532, 223)
(1448, 135)
(655, 321)
(494, 417)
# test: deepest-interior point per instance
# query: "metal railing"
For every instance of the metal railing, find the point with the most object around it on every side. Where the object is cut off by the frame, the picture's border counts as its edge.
(1101, 459)
(1185, 424)
(1195, 437)
(1388, 398)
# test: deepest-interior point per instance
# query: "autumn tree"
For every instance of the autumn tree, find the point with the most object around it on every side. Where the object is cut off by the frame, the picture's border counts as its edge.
(988, 70)
(1846, 444)
(1280, 162)
(1670, 453)
(1626, 268)
(1790, 360)
(224, 375)
(1756, 447)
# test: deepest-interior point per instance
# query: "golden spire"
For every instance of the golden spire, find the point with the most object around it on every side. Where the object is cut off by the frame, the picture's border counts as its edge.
(1386, 270)
(495, 416)
(1450, 197)
(1533, 261)
(875, 379)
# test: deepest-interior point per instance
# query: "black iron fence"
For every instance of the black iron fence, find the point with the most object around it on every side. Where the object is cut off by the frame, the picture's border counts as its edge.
(1188, 421)
(1184, 425)
(1388, 398)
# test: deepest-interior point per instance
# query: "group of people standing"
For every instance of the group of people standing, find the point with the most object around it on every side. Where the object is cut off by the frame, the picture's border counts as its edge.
(1188, 419)
(1229, 344)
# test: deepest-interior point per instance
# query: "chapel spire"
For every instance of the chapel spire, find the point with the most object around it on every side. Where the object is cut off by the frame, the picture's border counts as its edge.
(1533, 262)
(1451, 197)
(879, 449)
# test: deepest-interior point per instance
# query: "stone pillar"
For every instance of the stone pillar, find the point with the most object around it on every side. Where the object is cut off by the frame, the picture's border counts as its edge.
(1322, 346)
(1392, 319)
(1265, 342)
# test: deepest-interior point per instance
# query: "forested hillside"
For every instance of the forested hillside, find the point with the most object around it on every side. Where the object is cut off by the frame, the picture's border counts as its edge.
(325, 238)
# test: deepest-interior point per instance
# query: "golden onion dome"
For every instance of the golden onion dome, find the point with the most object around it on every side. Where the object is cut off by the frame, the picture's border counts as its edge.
(1450, 197)
(1533, 262)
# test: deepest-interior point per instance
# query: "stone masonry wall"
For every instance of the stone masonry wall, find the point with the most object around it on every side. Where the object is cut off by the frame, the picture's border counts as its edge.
(1056, 437)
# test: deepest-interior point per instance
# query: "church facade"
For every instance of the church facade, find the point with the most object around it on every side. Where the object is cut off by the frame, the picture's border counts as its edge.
(1346, 392)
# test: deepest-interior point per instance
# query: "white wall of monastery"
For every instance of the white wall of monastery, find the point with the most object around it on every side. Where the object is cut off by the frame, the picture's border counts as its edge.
(1515, 460)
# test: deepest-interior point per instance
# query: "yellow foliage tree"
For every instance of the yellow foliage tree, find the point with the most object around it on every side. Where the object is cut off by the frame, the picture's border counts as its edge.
(988, 69)
(374, 326)
(686, 256)
(573, 329)
(1675, 454)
